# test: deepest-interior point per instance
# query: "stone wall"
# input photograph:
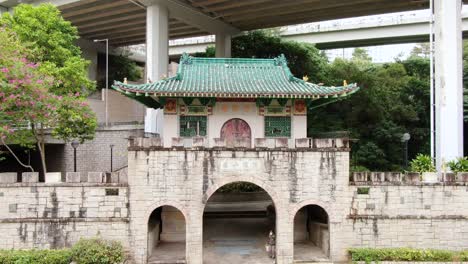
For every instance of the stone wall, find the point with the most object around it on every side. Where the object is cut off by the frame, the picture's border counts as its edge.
(392, 214)
(95, 155)
(186, 179)
(38, 215)
(365, 212)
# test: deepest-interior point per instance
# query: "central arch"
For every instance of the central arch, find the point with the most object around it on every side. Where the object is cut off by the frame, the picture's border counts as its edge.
(237, 220)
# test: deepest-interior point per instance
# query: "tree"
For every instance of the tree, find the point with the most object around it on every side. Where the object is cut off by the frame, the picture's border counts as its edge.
(303, 58)
(51, 41)
(120, 67)
(29, 109)
(421, 50)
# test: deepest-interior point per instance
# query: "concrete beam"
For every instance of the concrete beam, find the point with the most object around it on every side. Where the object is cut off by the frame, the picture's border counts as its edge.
(194, 17)
(157, 40)
(223, 46)
(448, 81)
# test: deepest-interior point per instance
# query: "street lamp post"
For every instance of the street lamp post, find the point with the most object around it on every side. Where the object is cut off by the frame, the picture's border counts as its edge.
(74, 144)
(111, 156)
(107, 79)
(404, 139)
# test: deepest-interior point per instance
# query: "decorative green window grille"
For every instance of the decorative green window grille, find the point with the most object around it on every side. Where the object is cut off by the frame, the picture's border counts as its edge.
(191, 126)
(277, 126)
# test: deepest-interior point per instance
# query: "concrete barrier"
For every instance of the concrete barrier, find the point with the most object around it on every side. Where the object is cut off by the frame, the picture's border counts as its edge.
(30, 177)
(8, 177)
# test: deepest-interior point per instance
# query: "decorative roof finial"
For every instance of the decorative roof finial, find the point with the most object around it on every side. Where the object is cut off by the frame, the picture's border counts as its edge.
(305, 78)
(125, 80)
(345, 83)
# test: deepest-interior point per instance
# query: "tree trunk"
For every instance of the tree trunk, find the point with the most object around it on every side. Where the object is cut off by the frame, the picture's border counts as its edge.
(40, 145)
(16, 157)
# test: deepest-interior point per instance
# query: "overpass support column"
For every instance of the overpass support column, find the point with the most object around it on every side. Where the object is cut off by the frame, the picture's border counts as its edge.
(223, 45)
(448, 80)
(157, 40)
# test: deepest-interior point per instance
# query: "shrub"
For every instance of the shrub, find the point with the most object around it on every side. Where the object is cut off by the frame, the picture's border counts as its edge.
(54, 256)
(422, 163)
(97, 251)
(459, 165)
(464, 255)
(401, 254)
(358, 168)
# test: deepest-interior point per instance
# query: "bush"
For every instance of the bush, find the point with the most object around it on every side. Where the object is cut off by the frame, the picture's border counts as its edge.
(57, 256)
(402, 254)
(422, 163)
(464, 255)
(97, 251)
(459, 165)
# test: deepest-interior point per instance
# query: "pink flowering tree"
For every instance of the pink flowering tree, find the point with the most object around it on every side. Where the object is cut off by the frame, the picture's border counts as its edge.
(29, 112)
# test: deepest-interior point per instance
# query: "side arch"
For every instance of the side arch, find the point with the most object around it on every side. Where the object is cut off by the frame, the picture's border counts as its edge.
(161, 203)
(298, 206)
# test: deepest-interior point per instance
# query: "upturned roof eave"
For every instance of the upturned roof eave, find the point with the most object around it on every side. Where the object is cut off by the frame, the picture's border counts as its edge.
(151, 90)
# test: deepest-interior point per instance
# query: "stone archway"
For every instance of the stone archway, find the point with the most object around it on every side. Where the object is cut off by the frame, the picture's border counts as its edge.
(236, 133)
(166, 235)
(311, 234)
(237, 220)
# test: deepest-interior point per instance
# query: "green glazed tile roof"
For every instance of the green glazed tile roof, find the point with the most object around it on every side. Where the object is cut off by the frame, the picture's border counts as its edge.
(233, 77)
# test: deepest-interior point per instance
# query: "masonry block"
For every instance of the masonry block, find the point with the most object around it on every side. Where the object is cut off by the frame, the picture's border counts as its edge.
(462, 177)
(53, 177)
(360, 176)
(219, 143)
(8, 177)
(260, 143)
(449, 177)
(377, 176)
(96, 177)
(412, 177)
(303, 142)
(323, 143)
(30, 177)
(393, 176)
(281, 143)
(73, 177)
(177, 142)
(198, 142)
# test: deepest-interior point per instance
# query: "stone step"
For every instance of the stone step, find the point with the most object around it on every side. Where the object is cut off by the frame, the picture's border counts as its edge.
(311, 262)
(154, 261)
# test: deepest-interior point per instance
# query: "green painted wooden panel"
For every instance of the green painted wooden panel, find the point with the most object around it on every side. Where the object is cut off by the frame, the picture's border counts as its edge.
(277, 126)
(189, 125)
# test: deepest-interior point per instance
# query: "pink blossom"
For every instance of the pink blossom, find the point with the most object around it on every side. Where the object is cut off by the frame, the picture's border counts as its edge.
(39, 81)
(4, 70)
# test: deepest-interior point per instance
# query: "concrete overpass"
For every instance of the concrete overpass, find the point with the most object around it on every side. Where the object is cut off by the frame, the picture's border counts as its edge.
(346, 33)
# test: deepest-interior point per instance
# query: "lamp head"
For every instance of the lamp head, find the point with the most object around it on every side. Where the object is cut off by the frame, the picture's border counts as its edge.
(75, 144)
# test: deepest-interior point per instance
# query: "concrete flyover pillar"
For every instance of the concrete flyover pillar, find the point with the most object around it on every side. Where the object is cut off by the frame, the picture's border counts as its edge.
(448, 80)
(157, 39)
(223, 45)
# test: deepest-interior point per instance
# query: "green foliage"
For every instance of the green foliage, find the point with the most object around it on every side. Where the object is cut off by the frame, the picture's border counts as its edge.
(120, 67)
(97, 251)
(464, 255)
(61, 256)
(401, 254)
(29, 107)
(86, 251)
(459, 165)
(303, 58)
(422, 163)
(239, 187)
(358, 168)
(51, 41)
(363, 190)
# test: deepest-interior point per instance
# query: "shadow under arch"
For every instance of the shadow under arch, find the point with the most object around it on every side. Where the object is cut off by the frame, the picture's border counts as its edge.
(237, 221)
(311, 227)
(166, 234)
